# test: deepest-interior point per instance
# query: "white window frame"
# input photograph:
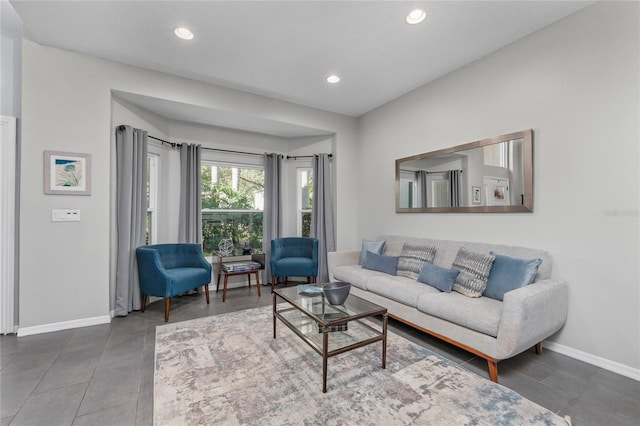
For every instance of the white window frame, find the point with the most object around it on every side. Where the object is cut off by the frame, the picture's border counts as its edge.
(152, 208)
(235, 182)
(299, 210)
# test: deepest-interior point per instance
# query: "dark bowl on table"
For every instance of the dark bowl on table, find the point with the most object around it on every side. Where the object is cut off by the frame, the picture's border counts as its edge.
(336, 292)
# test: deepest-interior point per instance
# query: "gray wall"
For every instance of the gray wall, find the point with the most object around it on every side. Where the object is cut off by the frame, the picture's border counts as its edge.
(576, 84)
(67, 106)
(11, 68)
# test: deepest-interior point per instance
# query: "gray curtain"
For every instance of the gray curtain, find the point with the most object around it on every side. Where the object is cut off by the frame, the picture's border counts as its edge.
(454, 187)
(421, 177)
(322, 213)
(131, 206)
(190, 222)
(272, 220)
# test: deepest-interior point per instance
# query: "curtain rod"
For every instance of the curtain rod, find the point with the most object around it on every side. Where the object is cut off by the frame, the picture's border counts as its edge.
(295, 157)
(444, 171)
(174, 144)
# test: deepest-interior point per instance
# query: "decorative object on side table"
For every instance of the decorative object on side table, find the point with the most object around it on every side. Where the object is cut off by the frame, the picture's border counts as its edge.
(246, 249)
(225, 247)
(336, 292)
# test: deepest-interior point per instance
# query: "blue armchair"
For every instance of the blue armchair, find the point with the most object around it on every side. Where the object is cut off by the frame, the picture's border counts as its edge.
(166, 270)
(294, 257)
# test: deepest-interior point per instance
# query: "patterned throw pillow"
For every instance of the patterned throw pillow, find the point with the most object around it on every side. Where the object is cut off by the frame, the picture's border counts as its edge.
(474, 272)
(412, 259)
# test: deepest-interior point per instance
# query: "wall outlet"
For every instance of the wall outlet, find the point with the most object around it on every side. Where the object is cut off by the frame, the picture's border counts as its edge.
(65, 215)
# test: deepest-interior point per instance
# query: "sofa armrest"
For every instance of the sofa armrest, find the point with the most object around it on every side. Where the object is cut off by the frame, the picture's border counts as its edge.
(340, 258)
(531, 314)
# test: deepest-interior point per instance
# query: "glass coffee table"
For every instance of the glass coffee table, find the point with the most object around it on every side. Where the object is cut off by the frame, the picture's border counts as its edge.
(329, 329)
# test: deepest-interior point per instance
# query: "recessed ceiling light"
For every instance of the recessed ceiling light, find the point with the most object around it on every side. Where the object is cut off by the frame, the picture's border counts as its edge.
(333, 79)
(183, 33)
(416, 16)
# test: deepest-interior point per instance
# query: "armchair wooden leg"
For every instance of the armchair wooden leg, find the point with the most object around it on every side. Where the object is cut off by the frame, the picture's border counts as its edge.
(144, 303)
(167, 306)
(314, 279)
(206, 292)
(538, 348)
(273, 282)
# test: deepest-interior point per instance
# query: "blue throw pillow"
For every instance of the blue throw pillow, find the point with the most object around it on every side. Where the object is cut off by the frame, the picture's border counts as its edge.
(509, 273)
(372, 246)
(438, 277)
(378, 262)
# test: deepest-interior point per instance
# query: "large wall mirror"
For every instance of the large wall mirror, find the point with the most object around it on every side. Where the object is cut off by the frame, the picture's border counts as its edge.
(493, 175)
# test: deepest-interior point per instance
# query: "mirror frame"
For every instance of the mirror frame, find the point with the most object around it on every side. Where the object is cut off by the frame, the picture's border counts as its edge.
(527, 153)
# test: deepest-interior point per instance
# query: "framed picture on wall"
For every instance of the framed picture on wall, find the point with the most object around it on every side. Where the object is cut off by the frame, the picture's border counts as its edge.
(67, 173)
(475, 192)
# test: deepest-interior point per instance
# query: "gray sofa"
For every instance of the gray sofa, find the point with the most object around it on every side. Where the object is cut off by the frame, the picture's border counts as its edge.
(489, 328)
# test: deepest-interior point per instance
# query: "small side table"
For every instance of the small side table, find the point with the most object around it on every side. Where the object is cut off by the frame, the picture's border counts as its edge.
(228, 274)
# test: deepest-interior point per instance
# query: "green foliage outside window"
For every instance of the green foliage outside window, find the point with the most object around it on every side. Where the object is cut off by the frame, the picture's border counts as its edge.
(234, 189)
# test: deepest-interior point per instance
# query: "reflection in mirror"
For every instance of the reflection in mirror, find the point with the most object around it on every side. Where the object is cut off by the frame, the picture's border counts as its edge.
(491, 175)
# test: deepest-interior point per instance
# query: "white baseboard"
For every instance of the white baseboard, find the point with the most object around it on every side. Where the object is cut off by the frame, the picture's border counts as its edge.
(64, 325)
(616, 367)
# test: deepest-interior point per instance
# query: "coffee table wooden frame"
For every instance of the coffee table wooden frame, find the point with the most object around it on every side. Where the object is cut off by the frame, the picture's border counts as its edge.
(381, 336)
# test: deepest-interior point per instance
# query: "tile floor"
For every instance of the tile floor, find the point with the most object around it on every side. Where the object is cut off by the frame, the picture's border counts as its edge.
(103, 375)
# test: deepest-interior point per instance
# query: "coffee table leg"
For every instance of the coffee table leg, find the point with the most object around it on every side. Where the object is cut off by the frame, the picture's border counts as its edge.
(384, 341)
(325, 356)
(274, 315)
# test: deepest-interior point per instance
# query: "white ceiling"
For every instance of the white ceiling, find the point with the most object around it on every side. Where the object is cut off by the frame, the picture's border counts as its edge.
(286, 49)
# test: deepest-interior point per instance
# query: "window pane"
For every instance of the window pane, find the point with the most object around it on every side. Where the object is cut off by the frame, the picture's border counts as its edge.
(232, 188)
(306, 189)
(149, 228)
(306, 224)
(241, 227)
(496, 154)
(148, 181)
(232, 204)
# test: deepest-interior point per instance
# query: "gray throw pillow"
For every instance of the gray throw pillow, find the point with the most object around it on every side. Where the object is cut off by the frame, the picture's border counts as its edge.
(474, 272)
(376, 247)
(509, 273)
(378, 262)
(413, 258)
(438, 277)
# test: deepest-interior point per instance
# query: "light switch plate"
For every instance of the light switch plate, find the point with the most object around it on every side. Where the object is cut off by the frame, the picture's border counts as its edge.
(65, 215)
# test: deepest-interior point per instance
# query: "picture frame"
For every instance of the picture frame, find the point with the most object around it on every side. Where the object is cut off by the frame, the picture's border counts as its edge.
(476, 195)
(67, 173)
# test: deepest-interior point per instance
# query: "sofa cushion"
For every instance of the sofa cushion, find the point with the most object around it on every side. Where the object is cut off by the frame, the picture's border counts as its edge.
(372, 246)
(412, 258)
(509, 273)
(474, 271)
(400, 289)
(438, 277)
(378, 262)
(479, 314)
(356, 275)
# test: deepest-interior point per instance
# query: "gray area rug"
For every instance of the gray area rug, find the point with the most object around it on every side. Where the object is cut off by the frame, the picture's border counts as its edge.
(228, 370)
